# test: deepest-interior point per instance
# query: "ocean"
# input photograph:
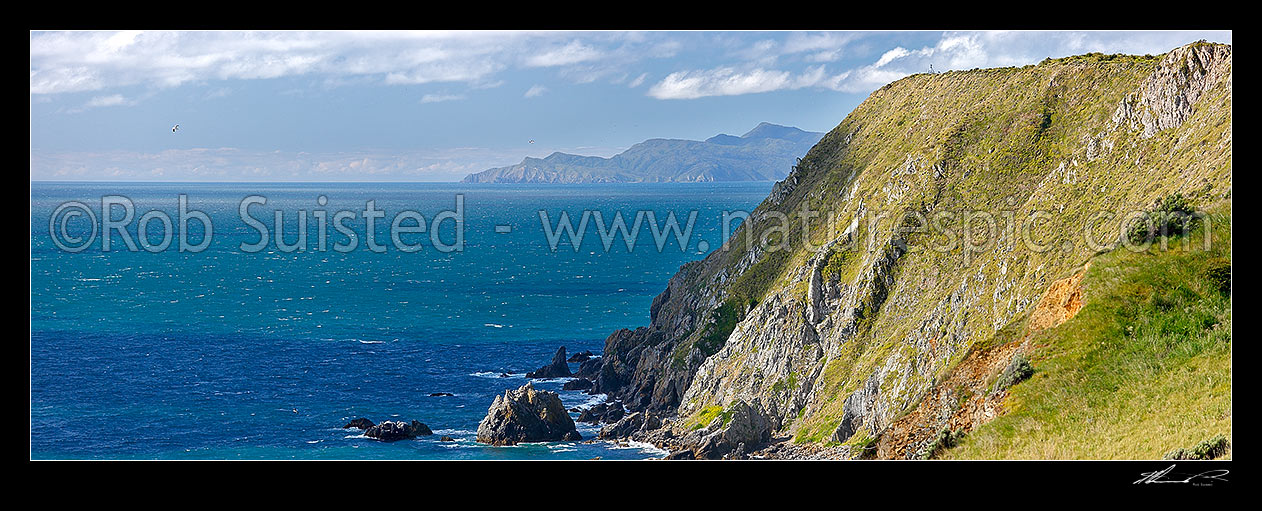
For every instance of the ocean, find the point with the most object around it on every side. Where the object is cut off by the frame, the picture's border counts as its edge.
(230, 352)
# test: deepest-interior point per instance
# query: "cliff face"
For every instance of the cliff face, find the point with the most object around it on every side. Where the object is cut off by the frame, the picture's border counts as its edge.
(920, 209)
(765, 153)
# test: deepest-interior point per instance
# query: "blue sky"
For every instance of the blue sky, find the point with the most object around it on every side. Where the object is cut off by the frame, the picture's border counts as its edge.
(435, 106)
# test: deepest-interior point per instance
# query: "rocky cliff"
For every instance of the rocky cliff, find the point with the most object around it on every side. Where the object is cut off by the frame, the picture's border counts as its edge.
(918, 244)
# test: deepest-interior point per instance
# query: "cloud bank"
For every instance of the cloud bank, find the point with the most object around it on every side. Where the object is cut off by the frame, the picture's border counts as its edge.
(66, 62)
(953, 51)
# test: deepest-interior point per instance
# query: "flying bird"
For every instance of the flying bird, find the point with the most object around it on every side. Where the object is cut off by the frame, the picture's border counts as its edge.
(175, 128)
(532, 140)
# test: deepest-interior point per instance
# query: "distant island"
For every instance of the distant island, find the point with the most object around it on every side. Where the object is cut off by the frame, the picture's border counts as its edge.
(766, 153)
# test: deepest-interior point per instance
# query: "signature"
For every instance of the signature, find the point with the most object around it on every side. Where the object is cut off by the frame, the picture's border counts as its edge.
(1205, 478)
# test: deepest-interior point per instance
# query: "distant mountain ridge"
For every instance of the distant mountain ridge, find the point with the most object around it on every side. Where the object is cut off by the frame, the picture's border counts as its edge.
(765, 153)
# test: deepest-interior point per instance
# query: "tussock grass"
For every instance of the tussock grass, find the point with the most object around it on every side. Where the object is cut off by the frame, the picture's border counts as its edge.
(1144, 368)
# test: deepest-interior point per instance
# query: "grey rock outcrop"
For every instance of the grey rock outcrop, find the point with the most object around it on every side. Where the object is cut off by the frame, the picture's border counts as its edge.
(577, 384)
(843, 340)
(526, 415)
(391, 431)
(747, 429)
(360, 423)
(624, 427)
(602, 412)
(1166, 98)
(555, 369)
(580, 357)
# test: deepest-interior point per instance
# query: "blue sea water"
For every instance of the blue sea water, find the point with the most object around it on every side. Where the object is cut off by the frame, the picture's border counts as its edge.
(231, 354)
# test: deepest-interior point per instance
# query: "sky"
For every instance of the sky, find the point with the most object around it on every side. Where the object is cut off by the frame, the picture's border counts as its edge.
(436, 106)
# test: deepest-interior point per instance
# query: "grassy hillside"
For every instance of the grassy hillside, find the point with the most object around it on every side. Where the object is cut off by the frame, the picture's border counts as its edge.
(839, 329)
(1144, 368)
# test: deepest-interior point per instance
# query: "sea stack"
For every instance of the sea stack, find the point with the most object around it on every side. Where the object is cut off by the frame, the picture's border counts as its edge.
(556, 369)
(390, 431)
(527, 415)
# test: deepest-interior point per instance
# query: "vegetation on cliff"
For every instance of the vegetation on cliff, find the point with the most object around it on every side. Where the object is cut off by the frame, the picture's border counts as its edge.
(916, 239)
(1144, 368)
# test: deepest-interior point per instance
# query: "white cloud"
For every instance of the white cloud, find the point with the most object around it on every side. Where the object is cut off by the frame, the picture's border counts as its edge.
(572, 53)
(892, 55)
(727, 81)
(799, 42)
(537, 90)
(103, 101)
(724, 81)
(103, 62)
(65, 62)
(824, 56)
(952, 51)
(439, 98)
(111, 100)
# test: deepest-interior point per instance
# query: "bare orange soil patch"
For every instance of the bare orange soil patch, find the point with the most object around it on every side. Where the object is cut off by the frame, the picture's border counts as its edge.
(965, 399)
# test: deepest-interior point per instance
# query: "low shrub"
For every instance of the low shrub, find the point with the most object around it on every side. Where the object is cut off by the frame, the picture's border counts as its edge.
(1205, 450)
(1017, 371)
(1170, 216)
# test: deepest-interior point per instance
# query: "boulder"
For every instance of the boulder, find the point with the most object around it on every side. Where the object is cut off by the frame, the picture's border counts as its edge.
(593, 414)
(577, 384)
(614, 413)
(360, 423)
(446, 438)
(527, 415)
(420, 428)
(390, 431)
(623, 428)
(581, 356)
(589, 369)
(556, 369)
(602, 412)
(746, 429)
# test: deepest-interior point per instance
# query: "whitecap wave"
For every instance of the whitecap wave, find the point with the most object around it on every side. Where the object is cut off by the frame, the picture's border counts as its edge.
(642, 446)
(559, 379)
(593, 401)
(454, 432)
(494, 374)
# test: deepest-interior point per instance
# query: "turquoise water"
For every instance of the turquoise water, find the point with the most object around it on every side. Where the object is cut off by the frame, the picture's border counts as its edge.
(227, 354)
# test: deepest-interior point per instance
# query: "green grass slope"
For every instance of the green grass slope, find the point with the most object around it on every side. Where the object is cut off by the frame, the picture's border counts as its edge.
(1079, 143)
(1143, 369)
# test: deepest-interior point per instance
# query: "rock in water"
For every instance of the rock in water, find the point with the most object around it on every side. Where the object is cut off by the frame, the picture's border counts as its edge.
(581, 356)
(593, 413)
(360, 423)
(527, 415)
(557, 369)
(577, 384)
(420, 428)
(390, 431)
(589, 369)
(623, 427)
